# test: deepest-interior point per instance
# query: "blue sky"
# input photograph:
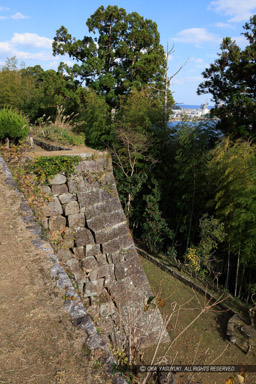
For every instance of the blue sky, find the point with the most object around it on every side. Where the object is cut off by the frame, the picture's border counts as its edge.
(196, 29)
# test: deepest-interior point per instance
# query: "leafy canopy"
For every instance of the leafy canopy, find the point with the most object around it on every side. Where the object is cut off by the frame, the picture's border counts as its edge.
(124, 53)
(231, 79)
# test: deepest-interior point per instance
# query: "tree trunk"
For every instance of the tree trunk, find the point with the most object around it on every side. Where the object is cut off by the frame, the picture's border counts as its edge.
(248, 292)
(237, 271)
(166, 87)
(241, 282)
(228, 269)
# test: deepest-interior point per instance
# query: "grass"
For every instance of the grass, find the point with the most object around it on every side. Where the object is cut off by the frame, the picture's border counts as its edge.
(60, 131)
(232, 302)
(204, 340)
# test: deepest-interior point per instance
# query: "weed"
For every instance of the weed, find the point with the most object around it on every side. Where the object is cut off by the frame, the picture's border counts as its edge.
(61, 130)
(46, 167)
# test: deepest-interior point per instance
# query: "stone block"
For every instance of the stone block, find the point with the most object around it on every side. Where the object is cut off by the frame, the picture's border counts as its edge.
(117, 257)
(120, 289)
(133, 264)
(83, 236)
(117, 244)
(44, 222)
(64, 255)
(69, 237)
(108, 193)
(111, 205)
(121, 271)
(79, 252)
(46, 189)
(65, 198)
(89, 198)
(93, 275)
(58, 179)
(99, 284)
(106, 220)
(56, 223)
(52, 208)
(105, 271)
(71, 208)
(59, 189)
(109, 179)
(113, 233)
(76, 220)
(101, 260)
(87, 166)
(107, 309)
(75, 183)
(73, 265)
(90, 289)
(89, 263)
(92, 249)
(138, 279)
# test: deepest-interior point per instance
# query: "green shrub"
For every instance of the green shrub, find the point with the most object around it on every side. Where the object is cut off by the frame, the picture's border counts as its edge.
(13, 125)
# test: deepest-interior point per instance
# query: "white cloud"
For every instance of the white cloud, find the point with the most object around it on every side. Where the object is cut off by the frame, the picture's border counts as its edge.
(239, 10)
(6, 49)
(196, 36)
(18, 16)
(12, 14)
(31, 40)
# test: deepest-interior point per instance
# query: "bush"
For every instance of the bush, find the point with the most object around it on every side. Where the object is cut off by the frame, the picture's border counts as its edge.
(13, 125)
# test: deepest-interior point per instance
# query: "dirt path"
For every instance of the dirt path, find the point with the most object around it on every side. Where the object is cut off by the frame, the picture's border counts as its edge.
(38, 343)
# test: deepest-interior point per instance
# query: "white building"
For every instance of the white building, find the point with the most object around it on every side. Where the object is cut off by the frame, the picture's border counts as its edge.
(179, 113)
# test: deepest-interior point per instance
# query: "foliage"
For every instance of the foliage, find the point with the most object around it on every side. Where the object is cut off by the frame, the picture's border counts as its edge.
(231, 80)
(61, 130)
(13, 125)
(97, 124)
(193, 259)
(46, 167)
(194, 141)
(211, 234)
(125, 53)
(155, 230)
(232, 168)
(120, 355)
(37, 92)
(132, 148)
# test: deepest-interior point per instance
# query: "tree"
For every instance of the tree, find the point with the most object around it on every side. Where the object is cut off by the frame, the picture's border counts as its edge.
(131, 150)
(125, 53)
(231, 80)
(96, 120)
(194, 141)
(10, 84)
(232, 169)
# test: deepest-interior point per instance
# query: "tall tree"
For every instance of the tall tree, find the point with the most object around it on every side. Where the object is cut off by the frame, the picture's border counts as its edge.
(193, 144)
(125, 53)
(232, 167)
(231, 80)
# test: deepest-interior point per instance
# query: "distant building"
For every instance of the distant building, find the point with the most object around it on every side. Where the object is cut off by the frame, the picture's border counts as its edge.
(179, 113)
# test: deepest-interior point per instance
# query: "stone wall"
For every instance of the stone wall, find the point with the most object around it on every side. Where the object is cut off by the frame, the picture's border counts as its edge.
(96, 248)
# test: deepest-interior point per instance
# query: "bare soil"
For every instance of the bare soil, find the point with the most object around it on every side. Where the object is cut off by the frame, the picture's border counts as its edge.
(38, 343)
